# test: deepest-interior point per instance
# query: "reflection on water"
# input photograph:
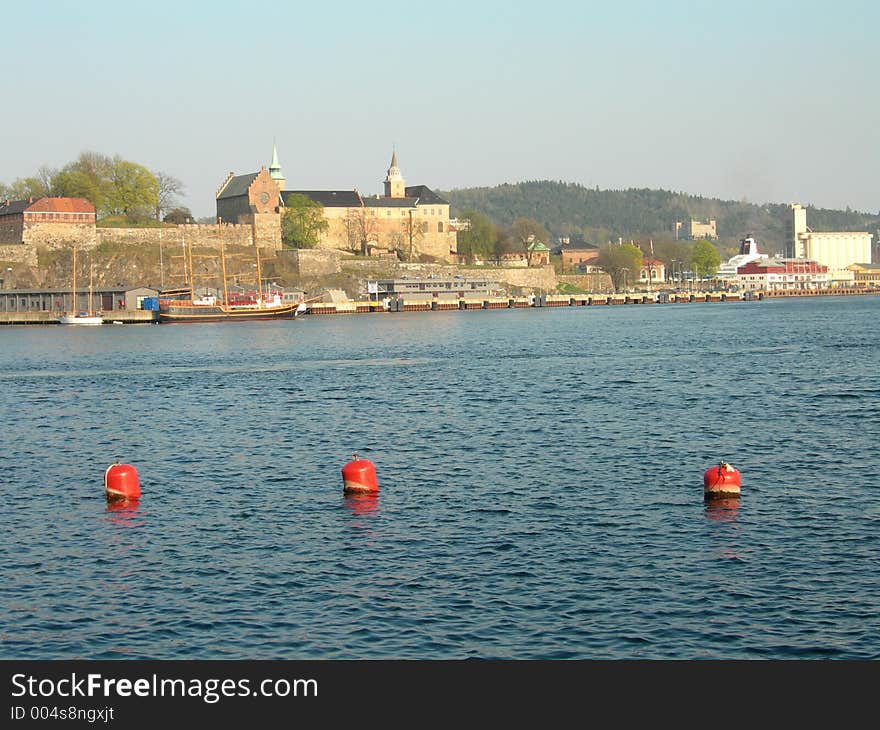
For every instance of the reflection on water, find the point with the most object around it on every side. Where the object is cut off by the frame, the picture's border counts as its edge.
(362, 505)
(723, 510)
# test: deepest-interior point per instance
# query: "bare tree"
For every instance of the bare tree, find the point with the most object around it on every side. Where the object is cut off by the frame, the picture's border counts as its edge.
(361, 228)
(170, 190)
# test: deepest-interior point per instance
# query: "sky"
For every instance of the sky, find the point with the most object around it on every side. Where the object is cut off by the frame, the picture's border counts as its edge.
(769, 101)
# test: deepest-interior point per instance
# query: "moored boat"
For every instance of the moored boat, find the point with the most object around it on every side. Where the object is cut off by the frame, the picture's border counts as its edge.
(81, 318)
(181, 305)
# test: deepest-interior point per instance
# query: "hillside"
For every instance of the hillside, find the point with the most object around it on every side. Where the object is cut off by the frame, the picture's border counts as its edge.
(603, 215)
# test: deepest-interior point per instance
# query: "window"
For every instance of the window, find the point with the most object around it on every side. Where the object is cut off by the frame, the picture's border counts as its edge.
(440, 227)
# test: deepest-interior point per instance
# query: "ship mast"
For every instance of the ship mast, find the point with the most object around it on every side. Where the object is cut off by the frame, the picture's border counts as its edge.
(259, 276)
(223, 265)
(91, 282)
(73, 288)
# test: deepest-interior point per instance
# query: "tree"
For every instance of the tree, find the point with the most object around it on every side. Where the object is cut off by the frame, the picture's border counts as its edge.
(88, 177)
(360, 228)
(705, 259)
(24, 188)
(621, 263)
(178, 215)
(478, 238)
(302, 222)
(525, 232)
(133, 186)
(170, 190)
(111, 184)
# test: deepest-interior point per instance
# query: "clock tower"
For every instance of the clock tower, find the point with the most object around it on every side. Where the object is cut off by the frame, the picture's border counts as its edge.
(395, 187)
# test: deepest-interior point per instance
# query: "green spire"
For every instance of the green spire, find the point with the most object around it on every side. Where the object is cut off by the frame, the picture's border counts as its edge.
(275, 167)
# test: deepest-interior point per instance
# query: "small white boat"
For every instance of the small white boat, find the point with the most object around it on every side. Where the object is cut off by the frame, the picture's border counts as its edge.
(80, 318)
(86, 318)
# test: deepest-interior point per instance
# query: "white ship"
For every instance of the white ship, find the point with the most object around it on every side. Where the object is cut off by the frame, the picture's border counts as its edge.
(748, 252)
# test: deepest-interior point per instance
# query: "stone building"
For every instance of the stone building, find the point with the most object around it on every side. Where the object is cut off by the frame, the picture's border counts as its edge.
(696, 230)
(50, 222)
(410, 220)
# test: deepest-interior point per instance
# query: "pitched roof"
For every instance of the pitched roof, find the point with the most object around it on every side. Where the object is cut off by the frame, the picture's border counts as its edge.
(62, 205)
(13, 207)
(386, 202)
(425, 195)
(46, 205)
(328, 198)
(237, 185)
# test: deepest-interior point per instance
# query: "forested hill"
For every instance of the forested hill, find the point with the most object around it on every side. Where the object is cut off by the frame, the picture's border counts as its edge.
(603, 215)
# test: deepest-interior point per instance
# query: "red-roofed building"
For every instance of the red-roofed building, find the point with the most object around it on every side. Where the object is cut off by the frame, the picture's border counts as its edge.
(652, 271)
(780, 274)
(51, 222)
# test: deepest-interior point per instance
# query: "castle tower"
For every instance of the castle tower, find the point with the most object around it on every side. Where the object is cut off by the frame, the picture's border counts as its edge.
(275, 169)
(395, 186)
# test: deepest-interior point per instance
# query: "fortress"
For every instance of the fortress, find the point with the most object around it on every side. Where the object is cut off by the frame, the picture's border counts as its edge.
(406, 221)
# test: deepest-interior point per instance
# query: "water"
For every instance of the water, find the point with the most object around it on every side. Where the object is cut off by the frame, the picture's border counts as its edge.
(541, 485)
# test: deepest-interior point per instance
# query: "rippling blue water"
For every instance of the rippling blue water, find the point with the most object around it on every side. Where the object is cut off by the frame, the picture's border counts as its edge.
(541, 485)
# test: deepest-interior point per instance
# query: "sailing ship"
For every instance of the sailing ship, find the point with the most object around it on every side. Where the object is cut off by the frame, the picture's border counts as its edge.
(182, 304)
(82, 318)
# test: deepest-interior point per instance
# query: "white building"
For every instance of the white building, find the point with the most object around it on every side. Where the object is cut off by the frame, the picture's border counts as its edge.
(836, 250)
(782, 274)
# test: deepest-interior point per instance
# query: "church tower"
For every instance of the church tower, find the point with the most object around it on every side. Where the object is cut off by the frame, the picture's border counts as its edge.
(275, 169)
(395, 186)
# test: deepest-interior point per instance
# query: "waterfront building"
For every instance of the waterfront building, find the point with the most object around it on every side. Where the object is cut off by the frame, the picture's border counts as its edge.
(865, 275)
(416, 289)
(779, 274)
(834, 249)
(652, 271)
(106, 299)
(51, 222)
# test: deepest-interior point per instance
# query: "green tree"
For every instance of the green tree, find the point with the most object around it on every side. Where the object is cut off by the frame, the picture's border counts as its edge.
(478, 239)
(621, 263)
(302, 222)
(705, 259)
(525, 231)
(133, 187)
(24, 188)
(113, 185)
(88, 177)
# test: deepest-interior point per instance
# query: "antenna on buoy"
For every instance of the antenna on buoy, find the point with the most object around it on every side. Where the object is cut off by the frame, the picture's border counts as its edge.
(359, 476)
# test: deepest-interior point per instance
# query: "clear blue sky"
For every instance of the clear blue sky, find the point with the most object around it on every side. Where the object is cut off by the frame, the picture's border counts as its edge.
(766, 101)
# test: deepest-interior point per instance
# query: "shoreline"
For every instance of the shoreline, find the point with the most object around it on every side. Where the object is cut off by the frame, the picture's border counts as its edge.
(49, 318)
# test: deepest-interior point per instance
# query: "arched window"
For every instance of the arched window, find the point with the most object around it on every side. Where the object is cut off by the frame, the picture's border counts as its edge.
(440, 227)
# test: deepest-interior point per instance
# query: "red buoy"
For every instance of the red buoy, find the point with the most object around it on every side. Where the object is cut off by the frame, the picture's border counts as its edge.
(121, 482)
(359, 475)
(720, 482)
